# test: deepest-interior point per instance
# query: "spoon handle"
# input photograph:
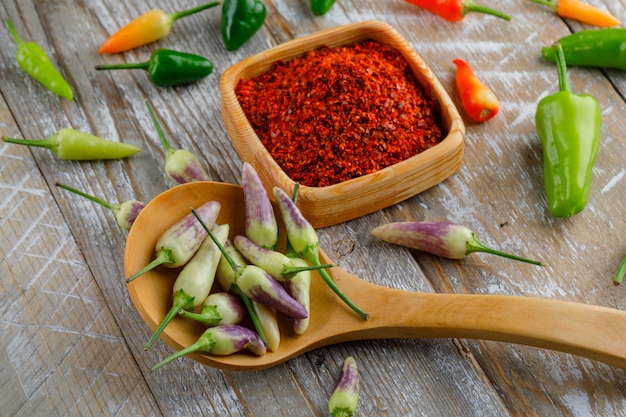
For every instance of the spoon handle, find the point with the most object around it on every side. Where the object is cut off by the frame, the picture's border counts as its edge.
(589, 331)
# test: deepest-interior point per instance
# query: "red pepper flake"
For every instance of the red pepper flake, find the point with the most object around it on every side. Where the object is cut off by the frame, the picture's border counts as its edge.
(335, 114)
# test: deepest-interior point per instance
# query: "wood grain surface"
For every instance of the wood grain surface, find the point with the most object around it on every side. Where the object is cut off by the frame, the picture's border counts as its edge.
(72, 342)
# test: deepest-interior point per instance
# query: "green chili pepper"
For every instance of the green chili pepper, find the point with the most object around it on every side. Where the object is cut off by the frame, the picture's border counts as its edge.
(167, 67)
(33, 59)
(569, 129)
(602, 48)
(240, 20)
(320, 7)
(71, 144)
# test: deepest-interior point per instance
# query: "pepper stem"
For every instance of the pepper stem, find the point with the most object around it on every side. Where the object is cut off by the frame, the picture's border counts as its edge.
(103, 203)
(16, 37)
(550, 3)
(205, 343)
(234, 288)
(209, 315)
(470, 6)
(474, 245)
(166, 146)
(183, 13)
(138, 65)
(289, 271)
(621, 271)
(312, 257)
(40, 143)
(181, 300)
(561, 66)
(164, 256)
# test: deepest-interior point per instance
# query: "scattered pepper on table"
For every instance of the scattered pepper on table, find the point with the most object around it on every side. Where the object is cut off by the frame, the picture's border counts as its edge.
(125, 212)
(479, 101)
(321, 7)
(181, 165)
(345, 397)
(569, 128)
(583, 12)
(151, 26)
(241, 19)
(167, 67)
(601, 48)
(35, 62)
(445, 239)
(455, 10)
(70, 144)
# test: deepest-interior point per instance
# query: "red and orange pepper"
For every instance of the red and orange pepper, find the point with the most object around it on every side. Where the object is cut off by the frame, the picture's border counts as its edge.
(151, 26)
(479, 101)
(583, 12)
(455, 10)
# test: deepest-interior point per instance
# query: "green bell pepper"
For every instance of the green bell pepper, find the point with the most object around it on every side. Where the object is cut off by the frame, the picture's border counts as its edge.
(240, 20)
(320, 7)
(568, 126)
(167, 67)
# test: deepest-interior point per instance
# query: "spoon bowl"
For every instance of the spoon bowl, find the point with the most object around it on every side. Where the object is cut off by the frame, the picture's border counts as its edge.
(580, 329)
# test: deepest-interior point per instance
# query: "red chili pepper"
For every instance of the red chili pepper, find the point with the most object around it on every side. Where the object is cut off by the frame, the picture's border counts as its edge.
(479, 101)
(455, 10)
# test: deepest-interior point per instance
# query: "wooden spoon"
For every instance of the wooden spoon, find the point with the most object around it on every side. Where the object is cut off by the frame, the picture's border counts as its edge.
(589, 331)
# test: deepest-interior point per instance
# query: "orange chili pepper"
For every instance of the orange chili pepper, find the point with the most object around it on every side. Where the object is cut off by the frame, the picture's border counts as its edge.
(479, 101)
(149, 27)
(583, 12)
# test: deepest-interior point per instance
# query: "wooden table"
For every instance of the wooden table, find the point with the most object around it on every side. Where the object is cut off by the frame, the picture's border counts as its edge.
(72, 342)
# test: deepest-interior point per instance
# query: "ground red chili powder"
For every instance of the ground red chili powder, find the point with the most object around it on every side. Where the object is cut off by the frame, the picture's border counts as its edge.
(339, 113)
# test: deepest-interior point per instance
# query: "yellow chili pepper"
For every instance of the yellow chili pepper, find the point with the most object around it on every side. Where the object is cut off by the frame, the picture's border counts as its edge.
(149, 27)
(583, 12)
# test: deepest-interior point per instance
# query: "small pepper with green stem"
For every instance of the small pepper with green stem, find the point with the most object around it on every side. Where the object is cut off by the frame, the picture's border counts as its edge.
(455, 10)
(70, 144)
(151, 26)
(221, 340)
(240, 20)
(305, 242)
(218, 309)
(168, 68)
(125, 212)
(445, 239)
(181, 165)
(602, 48)
(193, 284)
(179, 243)
(345, 397)
(568, 126)
(260, 223)
(35, 62)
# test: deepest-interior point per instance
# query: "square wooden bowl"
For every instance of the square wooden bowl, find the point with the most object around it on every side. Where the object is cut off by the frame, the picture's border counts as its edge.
(325, 206)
